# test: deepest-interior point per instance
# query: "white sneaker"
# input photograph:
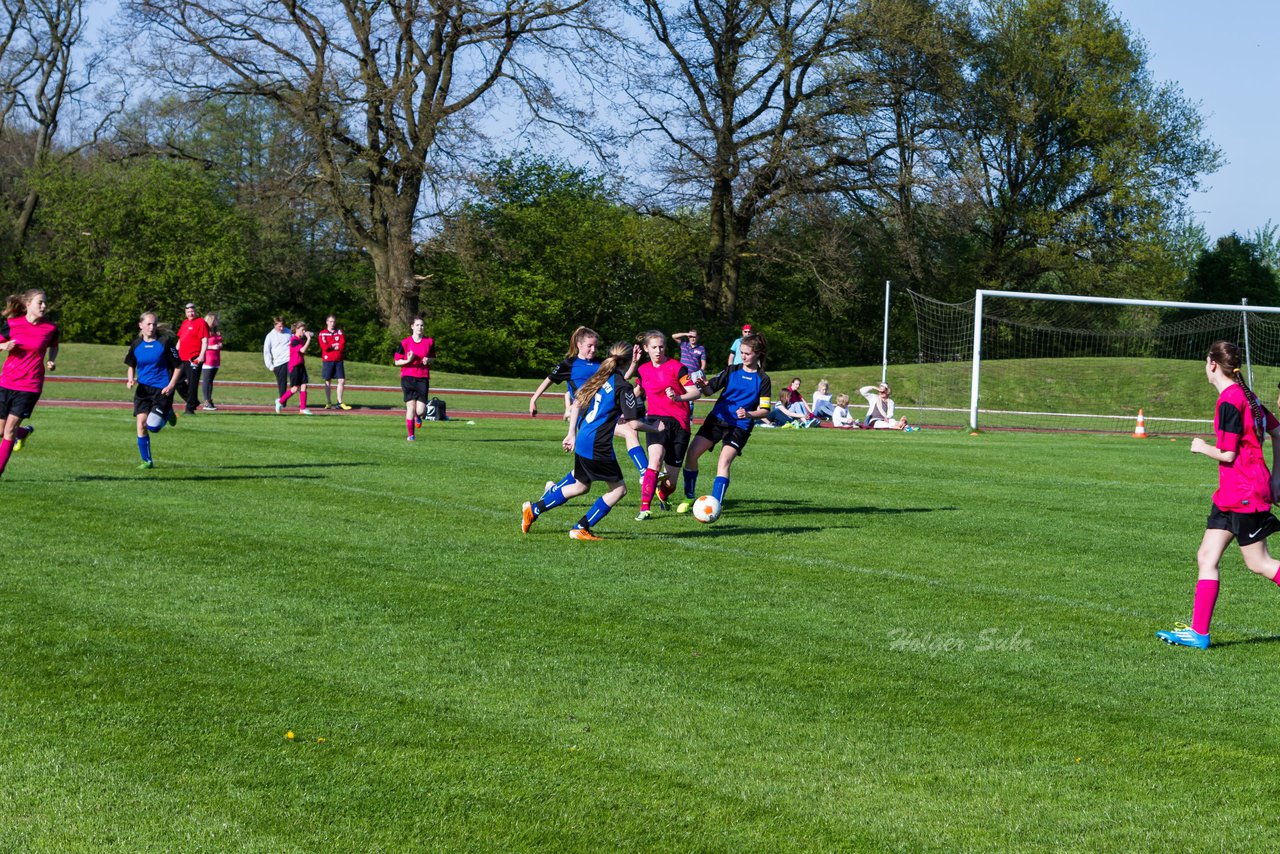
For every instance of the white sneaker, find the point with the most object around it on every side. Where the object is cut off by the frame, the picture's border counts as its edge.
(279, 406)
(304, 411)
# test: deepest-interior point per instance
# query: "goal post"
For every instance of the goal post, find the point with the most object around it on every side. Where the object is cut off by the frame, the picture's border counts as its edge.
(1071, 362)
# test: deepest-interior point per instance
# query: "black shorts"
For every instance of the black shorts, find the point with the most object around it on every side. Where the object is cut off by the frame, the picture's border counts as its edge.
(416, 388)
(148, 398)
(332, 371)
(1248, 528)
(714, 430)
(298, 376)
(674, 440)
(19, 403)
(589, 471)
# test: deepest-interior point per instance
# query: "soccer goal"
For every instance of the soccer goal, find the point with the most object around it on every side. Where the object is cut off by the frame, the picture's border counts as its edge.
(1013, 360)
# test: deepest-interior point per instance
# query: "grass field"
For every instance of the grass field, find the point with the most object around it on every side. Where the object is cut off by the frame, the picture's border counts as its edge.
(931, 641)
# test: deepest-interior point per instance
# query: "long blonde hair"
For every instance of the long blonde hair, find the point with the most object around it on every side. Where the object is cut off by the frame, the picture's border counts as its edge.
(579, 334)
(619, 358)
(16, 304)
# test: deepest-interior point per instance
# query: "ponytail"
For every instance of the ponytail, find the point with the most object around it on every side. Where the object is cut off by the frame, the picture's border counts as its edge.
(16, 304)
(619, 358)
(578, 335)
(1227, 357)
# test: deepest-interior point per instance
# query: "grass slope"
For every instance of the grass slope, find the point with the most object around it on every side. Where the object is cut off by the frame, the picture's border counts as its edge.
(916, 642)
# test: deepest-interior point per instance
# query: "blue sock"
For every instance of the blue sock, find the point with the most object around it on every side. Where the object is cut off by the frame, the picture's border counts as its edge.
(597, 512)
(690, 483)
(144, 448)
(718, 488)
(640, 458)
(553, 497)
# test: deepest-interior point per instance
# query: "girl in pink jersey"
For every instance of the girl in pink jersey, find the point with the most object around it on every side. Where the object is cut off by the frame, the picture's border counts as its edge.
(1241, 508)
(298, 378)
(667, 389)
(414, 357)
(32, 346)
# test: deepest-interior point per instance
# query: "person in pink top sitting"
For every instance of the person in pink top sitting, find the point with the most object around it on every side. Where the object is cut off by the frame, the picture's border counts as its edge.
(414, 357)
(298, 379)
(1241, 507)
(667, 390)
(32, 346)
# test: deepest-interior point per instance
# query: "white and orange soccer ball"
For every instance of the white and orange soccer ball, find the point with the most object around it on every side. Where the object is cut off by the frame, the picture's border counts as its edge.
(706, 509)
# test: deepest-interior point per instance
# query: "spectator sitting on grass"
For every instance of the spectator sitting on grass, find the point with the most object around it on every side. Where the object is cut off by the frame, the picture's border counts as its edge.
(880, 408)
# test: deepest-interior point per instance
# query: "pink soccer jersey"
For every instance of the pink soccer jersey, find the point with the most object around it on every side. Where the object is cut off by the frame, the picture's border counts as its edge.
(417, 369)
(295, 351)
(24, 368)
(1244, 485)
(655, 380)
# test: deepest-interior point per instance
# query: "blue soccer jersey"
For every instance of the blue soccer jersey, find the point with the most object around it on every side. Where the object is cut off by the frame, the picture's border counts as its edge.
(574, 372)
(594, 439)
(153, 361)
(749, 390)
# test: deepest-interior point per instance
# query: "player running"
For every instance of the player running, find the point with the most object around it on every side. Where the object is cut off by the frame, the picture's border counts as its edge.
(595, 411)
(32, 345)
(667, 389)
(1241, 508)
(577, 366)
(744, 396)
(414, 357)
(154, 367)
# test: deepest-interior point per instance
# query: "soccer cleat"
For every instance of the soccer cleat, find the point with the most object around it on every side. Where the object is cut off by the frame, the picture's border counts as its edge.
(526, 517)
(279, 406)
(683, 506)
(1183, 635)
(411, 438)
(583, 534)
(18, 444)
(172, 418)
(343, 406)
(146, 464)
(643, 515)
(209, 407)
(304, 411)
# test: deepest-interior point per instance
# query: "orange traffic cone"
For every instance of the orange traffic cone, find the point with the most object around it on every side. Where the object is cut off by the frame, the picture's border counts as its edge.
(1140, 431)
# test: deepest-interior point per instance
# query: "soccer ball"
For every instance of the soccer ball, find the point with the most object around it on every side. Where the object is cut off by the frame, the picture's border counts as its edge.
(706, 509)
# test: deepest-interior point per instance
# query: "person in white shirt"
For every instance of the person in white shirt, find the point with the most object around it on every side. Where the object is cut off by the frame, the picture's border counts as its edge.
(275, 354)
(840, 415)
(880, 408)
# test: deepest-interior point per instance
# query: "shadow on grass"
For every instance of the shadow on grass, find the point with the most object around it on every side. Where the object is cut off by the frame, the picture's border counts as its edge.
(809, 508)
(1267, 639)
(165, 477)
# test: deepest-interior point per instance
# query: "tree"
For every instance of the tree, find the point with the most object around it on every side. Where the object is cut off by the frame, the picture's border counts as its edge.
(745, 98)
(1065, 143)
(382, 90)
(1230, 271)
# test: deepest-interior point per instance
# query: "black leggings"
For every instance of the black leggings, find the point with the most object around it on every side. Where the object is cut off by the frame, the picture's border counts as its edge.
(206, 383)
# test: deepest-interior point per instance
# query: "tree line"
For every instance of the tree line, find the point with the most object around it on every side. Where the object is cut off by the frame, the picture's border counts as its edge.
(511, 170)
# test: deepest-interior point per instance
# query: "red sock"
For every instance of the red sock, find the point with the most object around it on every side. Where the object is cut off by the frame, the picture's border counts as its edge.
(1202, 612)
(302, 400)
(1276, 577)
(648, 482)
(285, 397)
(6, 449)
(408, 422)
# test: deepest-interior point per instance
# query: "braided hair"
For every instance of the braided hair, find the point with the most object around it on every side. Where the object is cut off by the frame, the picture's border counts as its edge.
(1227, 356)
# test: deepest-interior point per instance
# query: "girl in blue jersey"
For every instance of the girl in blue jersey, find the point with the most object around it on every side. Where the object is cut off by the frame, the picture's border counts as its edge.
(578, 366)
(153, 371)
(744, 395)
(592, 417)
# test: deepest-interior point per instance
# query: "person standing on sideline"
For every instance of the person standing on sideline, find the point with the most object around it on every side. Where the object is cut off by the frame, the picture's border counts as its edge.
(735, 349)
(153, 371)
(275, 353)
(212, 361)
(32, 346)
(1241, 507)
(333, 344)
(692, 354)
(299, 341)
(414, 357)
(193, 341)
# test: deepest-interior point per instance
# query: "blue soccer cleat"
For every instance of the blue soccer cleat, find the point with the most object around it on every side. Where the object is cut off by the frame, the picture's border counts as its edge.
(1183, 635)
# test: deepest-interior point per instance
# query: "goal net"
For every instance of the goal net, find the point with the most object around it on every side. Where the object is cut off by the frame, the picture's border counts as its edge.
(1054, 362)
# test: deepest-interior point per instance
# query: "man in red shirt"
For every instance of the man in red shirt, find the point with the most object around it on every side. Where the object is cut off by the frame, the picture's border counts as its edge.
(193, 341)
(333, 343)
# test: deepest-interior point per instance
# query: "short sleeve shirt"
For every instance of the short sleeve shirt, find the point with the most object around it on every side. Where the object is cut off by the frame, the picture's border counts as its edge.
(1244, 485)
(24, 368)
(190, 334)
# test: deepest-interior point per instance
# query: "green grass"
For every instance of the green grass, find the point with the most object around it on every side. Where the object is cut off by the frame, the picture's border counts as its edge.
(807, 674)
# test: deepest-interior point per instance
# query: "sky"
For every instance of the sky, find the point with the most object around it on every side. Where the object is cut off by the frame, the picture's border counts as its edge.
(1226, 57)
